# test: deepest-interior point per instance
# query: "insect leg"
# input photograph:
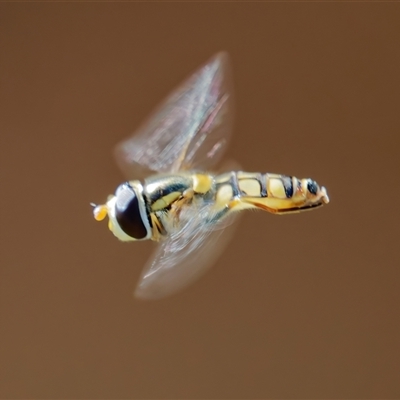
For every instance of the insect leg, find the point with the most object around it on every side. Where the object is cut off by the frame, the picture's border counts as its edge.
(177, 205)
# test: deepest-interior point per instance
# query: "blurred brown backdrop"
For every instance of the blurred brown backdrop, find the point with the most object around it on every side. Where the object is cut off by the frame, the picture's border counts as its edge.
(302, 306)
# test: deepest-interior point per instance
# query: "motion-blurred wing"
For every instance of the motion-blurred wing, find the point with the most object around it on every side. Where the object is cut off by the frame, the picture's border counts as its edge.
(189, 130)
(186, 254)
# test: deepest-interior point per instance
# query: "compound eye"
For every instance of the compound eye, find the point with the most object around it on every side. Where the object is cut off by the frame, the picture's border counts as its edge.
(127, 212)
(312, 187)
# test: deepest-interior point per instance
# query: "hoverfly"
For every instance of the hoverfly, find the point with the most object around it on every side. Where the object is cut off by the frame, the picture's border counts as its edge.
(182, 205)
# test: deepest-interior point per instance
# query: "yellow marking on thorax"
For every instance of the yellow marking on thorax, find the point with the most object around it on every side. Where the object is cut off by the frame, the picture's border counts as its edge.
(202, 183)
(165, 201)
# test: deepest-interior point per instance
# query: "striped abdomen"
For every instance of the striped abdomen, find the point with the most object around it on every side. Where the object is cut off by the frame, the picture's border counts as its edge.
(270, 192)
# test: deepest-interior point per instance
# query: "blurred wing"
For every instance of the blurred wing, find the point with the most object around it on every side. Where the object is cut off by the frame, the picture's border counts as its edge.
(186, 254)
(189, 130)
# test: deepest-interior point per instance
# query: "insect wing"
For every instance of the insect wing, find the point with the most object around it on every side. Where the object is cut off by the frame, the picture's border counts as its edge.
(186, 254)
(189, 130)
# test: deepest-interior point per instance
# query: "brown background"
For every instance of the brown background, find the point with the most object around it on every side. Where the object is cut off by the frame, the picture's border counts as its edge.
(300, 306)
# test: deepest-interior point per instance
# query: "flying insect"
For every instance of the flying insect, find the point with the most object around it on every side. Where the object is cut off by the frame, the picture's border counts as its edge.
(181, 204)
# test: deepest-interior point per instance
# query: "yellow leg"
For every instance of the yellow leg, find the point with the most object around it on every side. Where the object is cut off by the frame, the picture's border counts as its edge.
(176, 206)
(157, 227)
